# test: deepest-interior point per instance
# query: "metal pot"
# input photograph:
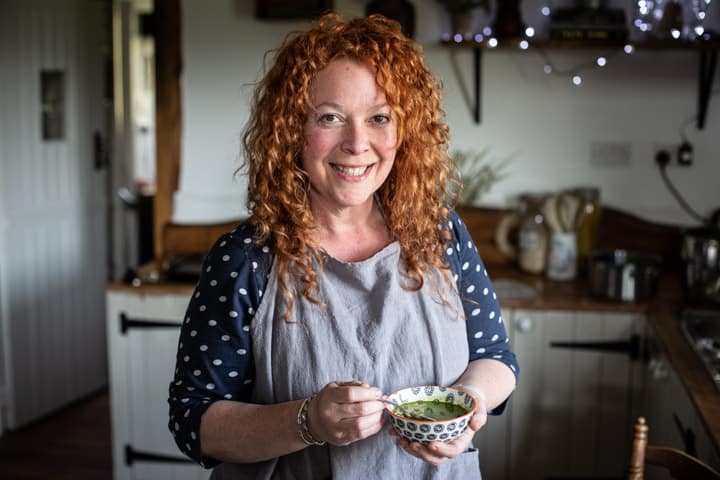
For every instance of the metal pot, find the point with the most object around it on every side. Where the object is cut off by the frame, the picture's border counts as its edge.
(622, 275)
(701, 260)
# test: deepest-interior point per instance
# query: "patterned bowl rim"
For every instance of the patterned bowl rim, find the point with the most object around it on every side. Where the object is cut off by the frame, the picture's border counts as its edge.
(470, 413)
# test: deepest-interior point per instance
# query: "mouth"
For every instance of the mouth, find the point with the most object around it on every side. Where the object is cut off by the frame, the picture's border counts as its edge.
(351, 171)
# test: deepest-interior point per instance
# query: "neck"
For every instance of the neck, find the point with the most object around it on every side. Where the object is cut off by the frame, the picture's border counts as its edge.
(348, 220)
(352, 234)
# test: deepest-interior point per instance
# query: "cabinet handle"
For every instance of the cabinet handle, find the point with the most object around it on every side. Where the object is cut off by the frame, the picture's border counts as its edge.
(687, 435)
(127, 323)
(132, 456)
(524, 324)
(99, 151)
(631, 346)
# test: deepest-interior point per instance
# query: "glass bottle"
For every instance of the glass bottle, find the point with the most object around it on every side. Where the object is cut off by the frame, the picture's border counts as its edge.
(588, 222)
(532, 234)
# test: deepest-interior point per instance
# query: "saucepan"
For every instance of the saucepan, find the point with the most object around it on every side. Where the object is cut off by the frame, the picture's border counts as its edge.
(701, 261)
(623, 275)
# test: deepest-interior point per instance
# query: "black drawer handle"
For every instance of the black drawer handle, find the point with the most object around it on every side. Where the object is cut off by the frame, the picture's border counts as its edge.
(631, 346)
(132, 456)
(687, 435)
(127, 323)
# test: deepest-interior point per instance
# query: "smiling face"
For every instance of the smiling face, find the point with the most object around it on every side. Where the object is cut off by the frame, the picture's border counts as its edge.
(351, 137)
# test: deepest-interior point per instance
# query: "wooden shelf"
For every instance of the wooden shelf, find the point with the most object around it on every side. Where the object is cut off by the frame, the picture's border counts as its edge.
(706, 50)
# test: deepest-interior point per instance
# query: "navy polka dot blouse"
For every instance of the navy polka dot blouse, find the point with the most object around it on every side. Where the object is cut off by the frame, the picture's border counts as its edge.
(214, 356)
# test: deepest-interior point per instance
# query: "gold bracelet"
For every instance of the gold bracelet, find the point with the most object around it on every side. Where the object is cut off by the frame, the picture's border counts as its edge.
(302, 422)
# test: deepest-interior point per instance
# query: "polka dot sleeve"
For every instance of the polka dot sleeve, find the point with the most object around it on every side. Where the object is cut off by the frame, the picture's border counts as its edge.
(214, 358)
(487, 337)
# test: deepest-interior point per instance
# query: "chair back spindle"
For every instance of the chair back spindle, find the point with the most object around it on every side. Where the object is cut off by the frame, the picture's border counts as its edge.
(680, 465)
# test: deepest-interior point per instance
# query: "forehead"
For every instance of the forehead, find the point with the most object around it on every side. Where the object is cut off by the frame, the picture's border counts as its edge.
(346, 78)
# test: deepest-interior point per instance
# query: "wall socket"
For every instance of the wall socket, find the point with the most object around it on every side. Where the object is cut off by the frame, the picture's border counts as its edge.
(673, 154)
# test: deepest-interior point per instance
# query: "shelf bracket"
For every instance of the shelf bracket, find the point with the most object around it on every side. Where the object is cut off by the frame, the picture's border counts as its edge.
(708, 63)
(477, 61)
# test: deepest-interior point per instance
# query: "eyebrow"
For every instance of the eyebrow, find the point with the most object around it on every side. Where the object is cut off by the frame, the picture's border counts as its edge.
(339, 107)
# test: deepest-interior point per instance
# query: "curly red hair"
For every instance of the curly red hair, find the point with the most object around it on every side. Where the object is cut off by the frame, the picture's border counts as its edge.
(414, 197)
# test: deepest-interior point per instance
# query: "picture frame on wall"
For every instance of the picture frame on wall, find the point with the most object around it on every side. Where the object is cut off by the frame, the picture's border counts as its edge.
(291, 9)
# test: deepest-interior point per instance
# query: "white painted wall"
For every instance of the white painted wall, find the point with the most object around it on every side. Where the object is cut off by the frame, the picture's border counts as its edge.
(542, 122)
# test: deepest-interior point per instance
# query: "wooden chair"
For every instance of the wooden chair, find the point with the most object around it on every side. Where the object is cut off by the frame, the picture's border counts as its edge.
(680, 465)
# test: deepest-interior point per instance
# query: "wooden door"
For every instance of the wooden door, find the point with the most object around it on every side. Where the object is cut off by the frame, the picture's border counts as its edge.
(52, 203)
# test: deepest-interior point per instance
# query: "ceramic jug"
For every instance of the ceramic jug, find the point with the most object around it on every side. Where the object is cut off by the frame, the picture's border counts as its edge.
(528, 247)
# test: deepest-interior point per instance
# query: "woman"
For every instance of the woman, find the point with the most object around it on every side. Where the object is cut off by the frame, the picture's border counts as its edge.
(351, 279)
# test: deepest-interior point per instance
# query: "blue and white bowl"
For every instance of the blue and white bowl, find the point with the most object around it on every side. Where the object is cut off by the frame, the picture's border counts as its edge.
(426, 431)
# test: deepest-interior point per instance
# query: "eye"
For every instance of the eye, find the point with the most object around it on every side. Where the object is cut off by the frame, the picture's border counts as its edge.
(380, 118)
(328, 118)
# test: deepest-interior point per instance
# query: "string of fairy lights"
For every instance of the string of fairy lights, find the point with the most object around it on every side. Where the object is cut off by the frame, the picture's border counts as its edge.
(647, 14)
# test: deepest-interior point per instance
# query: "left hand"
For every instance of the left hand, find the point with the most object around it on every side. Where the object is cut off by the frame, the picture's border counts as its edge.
(436, 453)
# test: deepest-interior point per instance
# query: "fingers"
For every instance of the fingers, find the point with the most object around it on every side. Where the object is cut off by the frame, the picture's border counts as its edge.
(354, 391)
(347, 402)
(370, 428)
(345, 412)
(435, 453)
(478, 421)
(352, 430)
(350, 383)
(454, 448)
(424, 453)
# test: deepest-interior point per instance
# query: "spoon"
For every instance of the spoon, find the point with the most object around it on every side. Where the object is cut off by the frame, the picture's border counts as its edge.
(405, 413)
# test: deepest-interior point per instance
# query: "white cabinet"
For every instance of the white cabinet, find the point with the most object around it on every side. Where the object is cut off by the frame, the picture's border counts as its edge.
(143, 329)
(670, 413)
(572, 413)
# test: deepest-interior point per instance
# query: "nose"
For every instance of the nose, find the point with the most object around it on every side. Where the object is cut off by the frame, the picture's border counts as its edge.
(356, 139)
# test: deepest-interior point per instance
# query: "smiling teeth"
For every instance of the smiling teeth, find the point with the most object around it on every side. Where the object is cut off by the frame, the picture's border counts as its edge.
(351, 172)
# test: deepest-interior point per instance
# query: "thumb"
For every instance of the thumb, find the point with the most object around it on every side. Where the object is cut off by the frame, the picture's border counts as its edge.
(478, 420)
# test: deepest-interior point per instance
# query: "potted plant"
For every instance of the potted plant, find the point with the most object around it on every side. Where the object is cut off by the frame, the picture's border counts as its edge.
(460, 12)
(476, 174)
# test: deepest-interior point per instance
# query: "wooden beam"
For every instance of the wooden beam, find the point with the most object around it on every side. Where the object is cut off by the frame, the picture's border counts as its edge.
(168, 114)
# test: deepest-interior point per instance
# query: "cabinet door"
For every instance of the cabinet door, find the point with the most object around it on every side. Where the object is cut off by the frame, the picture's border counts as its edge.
(572, 411)
(142, 359)
(671, 416)
(492, 444)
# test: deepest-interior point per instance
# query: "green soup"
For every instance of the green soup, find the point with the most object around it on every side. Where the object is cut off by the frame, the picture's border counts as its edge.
(434, 410)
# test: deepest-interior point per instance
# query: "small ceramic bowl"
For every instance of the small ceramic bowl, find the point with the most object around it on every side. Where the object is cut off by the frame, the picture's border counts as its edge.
(436, 430)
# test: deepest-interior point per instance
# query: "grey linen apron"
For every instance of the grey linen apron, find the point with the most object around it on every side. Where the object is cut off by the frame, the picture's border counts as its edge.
(371, 330)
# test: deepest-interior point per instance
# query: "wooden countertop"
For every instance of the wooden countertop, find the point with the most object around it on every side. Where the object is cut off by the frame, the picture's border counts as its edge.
(551, 295)
(153, 288)
(705, 395)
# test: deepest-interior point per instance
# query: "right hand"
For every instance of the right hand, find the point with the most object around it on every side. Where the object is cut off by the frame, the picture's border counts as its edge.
(345, 412)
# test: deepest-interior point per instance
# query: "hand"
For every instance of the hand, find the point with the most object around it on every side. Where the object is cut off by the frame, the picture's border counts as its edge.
(345, 412)
(436, 453)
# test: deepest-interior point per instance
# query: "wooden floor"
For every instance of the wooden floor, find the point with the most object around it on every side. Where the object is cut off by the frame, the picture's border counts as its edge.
(71, 444)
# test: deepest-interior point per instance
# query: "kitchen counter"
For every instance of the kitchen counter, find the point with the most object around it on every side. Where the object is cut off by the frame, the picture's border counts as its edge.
(662, 313)
(154, 288)
(513, 290)
(702, 390)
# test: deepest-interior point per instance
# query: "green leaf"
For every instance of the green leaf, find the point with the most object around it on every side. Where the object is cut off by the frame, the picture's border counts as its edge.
(476, 174)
